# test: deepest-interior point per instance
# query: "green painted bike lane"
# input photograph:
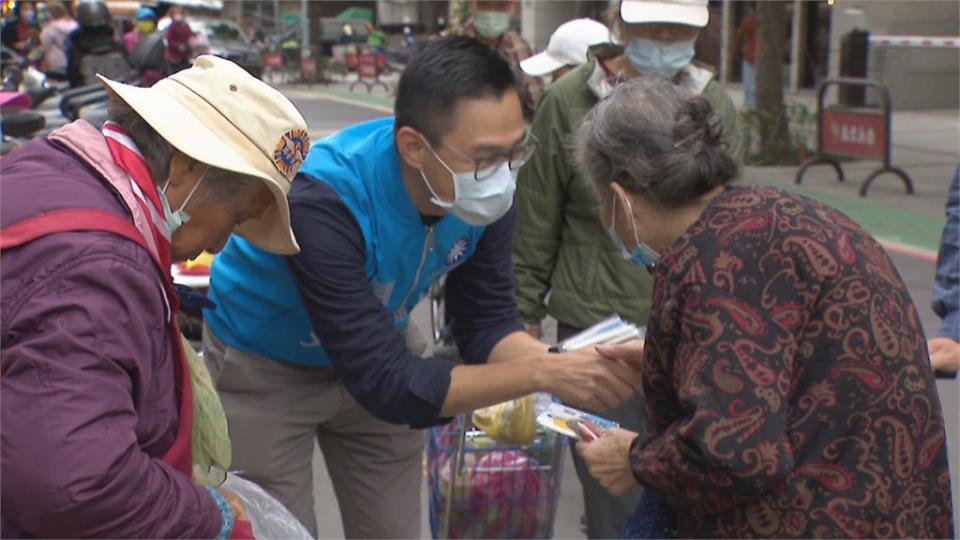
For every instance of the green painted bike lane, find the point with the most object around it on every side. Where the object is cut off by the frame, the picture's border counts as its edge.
(886, 223)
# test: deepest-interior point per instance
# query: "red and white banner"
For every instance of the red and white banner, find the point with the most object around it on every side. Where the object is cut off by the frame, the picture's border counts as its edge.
(937, 42)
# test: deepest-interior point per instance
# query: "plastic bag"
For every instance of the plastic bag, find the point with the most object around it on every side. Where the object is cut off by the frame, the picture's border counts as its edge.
(497, 496)
(270, 519)
(211, 441)
(511, 422)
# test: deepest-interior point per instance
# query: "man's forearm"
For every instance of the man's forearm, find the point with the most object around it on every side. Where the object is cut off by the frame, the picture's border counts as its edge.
(474, 387)
(513, 369)
(516, 346)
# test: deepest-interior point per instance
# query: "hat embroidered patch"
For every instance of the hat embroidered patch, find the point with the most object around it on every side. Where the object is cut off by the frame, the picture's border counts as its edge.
(291, 150)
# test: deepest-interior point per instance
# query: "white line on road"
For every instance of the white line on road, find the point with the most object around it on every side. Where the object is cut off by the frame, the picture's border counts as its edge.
(906, 250)
(302, 94)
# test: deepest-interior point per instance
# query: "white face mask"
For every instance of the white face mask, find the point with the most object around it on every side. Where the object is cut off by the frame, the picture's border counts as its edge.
(477, 202)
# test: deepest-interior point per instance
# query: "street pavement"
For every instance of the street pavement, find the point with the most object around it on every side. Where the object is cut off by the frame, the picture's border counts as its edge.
(925, 144)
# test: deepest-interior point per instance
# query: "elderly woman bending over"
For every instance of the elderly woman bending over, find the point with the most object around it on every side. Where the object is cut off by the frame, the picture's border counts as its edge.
(785, 370)
(97, 401)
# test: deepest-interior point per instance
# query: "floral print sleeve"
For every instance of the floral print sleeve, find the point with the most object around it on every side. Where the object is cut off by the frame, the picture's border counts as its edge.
(786, 375)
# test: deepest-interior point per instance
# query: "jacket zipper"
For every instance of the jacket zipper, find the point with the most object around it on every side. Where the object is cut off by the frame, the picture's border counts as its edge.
(427, 248)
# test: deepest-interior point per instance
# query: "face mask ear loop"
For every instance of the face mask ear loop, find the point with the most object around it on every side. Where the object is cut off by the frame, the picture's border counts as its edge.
(453, 175)
(633, 221)
(192, 191)
(613, 210)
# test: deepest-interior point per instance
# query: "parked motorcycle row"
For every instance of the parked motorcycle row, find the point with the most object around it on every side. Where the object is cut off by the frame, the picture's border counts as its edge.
(32, 105)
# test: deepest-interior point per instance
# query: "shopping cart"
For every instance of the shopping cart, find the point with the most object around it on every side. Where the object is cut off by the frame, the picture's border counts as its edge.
(482, 489)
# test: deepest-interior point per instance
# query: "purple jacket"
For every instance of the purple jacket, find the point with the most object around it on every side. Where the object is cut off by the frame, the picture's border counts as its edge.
(87, 395)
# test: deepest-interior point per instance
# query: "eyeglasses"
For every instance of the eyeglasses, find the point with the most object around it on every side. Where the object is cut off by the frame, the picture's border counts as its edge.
(486, 167)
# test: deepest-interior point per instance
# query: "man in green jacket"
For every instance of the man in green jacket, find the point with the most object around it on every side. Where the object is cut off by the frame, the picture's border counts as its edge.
(560, 246)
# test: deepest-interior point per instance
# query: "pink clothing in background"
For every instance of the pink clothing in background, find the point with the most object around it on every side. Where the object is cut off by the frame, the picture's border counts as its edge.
(54, 41)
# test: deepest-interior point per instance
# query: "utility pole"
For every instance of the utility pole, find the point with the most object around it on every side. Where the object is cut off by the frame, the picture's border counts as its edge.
(277, 23)
(305, 51)
(725, 52)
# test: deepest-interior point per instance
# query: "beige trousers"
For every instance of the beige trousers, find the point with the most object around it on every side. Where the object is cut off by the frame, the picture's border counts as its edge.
(276, 410)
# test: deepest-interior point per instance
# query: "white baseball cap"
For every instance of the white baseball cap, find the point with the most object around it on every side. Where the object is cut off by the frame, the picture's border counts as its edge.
(567, 47)
(689, 12)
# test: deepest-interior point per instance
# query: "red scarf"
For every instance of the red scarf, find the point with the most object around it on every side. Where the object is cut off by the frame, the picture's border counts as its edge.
(127, 155)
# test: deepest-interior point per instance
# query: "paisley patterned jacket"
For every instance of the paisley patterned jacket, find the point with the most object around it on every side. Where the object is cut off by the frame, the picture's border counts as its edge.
(787, 376)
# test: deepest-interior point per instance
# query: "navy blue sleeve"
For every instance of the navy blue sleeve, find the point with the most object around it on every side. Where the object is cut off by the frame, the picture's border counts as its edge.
(479, 293)
(369, 355)
(946, 286)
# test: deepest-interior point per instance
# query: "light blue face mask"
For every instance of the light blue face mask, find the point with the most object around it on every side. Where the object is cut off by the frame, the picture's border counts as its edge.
(642, 255)
(655, 58)
(491, 24)
(177, 219)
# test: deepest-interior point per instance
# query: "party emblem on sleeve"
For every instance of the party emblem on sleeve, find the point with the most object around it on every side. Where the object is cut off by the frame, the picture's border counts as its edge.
(291, 150)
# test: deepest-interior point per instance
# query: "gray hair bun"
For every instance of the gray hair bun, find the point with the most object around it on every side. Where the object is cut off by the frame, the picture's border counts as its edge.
(700, 160)
(696, 122)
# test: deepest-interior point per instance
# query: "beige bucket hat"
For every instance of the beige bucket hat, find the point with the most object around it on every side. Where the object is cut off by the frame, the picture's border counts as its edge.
(218, 114)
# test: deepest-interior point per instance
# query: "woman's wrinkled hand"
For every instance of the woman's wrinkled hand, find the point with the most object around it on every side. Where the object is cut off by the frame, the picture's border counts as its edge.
(236, 505)
(630, 352)
(608, 460)
(944, 354)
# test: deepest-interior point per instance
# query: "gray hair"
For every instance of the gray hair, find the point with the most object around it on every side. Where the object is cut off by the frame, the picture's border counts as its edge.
(157, 152)
(655, 139)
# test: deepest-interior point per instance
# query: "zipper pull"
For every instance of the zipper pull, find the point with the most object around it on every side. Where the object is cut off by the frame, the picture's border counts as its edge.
(430, 238)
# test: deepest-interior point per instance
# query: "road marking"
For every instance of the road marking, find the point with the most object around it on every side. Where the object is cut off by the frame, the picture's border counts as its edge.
(907, 250)
(318, 134)
(319, 94)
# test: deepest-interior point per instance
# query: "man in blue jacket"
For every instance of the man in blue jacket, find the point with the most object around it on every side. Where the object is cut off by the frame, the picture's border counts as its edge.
(310, 347)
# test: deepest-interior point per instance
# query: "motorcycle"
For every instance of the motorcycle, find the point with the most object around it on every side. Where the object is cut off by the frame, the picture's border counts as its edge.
(17, 122)
(89, 102)
(19, 75)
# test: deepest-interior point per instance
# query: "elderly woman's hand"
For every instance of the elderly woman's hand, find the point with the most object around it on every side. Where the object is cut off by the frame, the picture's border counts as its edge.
(630, 352)
(608, 459)
(944, 354)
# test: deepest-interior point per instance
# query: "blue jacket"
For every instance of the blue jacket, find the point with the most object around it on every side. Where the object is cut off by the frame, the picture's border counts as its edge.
(261, 310)
(367, 260)
(946, 286)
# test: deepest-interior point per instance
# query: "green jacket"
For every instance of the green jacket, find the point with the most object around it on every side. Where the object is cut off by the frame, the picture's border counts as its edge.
(560, 245)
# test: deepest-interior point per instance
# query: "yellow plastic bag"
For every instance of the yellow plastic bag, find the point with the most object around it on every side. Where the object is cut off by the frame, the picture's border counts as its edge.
(511, 422)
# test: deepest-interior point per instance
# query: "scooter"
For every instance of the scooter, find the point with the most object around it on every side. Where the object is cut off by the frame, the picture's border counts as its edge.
(17, 122)
(80, 102)
(20, 76)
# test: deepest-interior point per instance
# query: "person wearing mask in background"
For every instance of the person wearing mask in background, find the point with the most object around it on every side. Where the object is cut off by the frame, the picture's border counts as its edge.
(785, 370)
(566, 49)
(20, 30)
(103, 431)
(145, 23)
(945, 348)
(560, 246)
(178, 38)
(491, 23)
(93, 49)
(745, 41)
(54, 38)
(309, 348)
